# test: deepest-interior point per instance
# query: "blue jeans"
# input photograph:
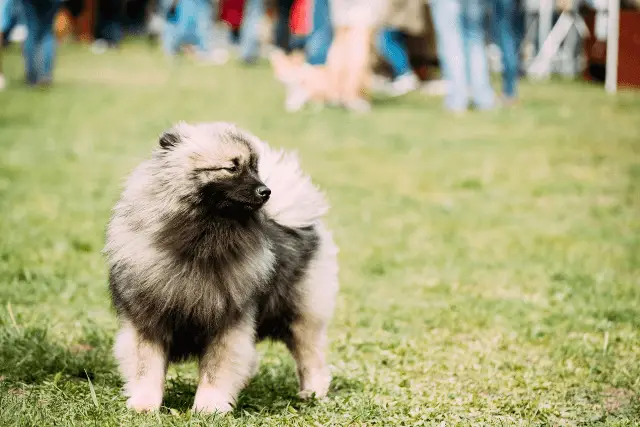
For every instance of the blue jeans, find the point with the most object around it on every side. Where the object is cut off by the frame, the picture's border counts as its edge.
(40, 46)
(461, 49)
(192, 25)
(393, 47)
(250, 30)
(8, 16)
(505, 14)
(319, 41)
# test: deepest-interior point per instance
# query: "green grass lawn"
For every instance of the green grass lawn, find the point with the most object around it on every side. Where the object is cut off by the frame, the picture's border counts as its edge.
(490, 264)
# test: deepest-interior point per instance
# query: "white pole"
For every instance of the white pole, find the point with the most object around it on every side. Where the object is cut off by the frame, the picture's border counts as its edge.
(546, 20)
(613, 33)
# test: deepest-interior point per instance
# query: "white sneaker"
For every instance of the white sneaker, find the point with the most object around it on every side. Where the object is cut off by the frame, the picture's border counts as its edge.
(380, 84)
(3, 82)
(99, 47)
(404, 84)
(435, 88)
(217, 56)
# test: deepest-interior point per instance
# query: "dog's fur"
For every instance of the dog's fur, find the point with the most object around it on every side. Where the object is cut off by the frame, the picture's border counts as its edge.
(203, 266)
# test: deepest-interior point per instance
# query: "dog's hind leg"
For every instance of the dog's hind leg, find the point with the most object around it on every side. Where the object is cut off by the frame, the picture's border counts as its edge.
(308, 346)
(143, 365)
(308, 341)
(226, 367)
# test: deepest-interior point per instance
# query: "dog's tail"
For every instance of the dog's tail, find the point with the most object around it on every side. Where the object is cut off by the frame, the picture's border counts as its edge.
(295, 202)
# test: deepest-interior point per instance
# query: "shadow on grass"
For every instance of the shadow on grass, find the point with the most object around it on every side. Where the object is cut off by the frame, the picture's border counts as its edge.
(28, 355)
(273, 390)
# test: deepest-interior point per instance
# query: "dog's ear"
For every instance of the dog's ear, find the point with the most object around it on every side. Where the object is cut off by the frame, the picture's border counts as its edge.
(169, 139)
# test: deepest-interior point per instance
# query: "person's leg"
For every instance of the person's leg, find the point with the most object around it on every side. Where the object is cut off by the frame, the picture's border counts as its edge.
(477, 67)
(4, 18)
(319, 42)
(250, 30)
(391, 45)
(6, 9)
(504, 15)
(185, 30)
(298, 43)
(3, 82)
(176, 30)
(169, 30)
(204, 24)
(30, 46)
(47, 43)
(447, 20)
(282, 35)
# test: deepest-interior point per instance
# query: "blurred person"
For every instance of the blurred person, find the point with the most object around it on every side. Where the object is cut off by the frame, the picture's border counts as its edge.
(249, 34)
(402, 19)
(304, 73)
(290, 42)
(109, 22)
(462, 52)
(504, 17)
(244, 18)
(319, 40)
(3, 81)
(9, 17)
(190, 22)
(40, 45)
(282, 28)
(348, 59)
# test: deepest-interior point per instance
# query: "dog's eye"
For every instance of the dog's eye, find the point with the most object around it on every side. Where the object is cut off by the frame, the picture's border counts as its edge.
(232, 169)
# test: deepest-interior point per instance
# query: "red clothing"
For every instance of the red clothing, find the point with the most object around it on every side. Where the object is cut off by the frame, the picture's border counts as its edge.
(300, 20)
(301, 17)
(231, 12)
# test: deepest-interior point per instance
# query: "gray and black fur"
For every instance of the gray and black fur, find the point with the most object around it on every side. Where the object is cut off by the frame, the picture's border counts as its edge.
(215, 244)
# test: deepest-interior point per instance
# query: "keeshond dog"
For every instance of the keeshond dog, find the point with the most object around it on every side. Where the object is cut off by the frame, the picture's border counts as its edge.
(216, 243)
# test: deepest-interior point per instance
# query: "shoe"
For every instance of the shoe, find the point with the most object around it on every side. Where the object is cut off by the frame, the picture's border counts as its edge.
(3, 82)
(509, 101)
(380, 84)
(404, 84)
(99, 47)
(215, 57)
(435, 88)
(45, 83)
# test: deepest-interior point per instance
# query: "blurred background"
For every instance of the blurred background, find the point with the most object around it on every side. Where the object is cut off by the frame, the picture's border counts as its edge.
(339, 52)
(482, 160)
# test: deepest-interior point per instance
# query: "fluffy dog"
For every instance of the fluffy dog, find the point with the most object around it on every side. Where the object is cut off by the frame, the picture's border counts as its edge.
(215, 244)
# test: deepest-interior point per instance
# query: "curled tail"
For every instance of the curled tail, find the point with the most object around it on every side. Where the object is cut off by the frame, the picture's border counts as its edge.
(295, 202)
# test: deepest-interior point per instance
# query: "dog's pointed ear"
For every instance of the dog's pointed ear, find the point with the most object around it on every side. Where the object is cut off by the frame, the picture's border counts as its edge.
(169, 139)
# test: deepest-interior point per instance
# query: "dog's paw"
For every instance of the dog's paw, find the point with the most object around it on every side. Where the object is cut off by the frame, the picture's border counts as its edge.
(317, 387)
(145, 402)
(210, 401)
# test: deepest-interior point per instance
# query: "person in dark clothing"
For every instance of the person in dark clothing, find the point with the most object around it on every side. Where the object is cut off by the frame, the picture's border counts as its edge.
(109, 25)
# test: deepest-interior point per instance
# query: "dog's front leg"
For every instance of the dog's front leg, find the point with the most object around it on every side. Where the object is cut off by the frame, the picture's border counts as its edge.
(143, 364)
(226, 367)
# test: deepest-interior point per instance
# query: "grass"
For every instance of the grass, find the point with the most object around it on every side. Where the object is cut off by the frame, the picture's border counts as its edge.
(490, 264)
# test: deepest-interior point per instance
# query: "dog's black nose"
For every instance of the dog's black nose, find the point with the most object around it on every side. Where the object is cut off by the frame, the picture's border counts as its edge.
(263, 191)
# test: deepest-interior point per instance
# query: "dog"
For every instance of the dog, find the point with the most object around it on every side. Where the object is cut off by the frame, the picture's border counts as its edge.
(216, 243)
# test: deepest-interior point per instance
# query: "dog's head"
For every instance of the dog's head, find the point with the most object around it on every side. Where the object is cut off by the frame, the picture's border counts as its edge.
(216, 165)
